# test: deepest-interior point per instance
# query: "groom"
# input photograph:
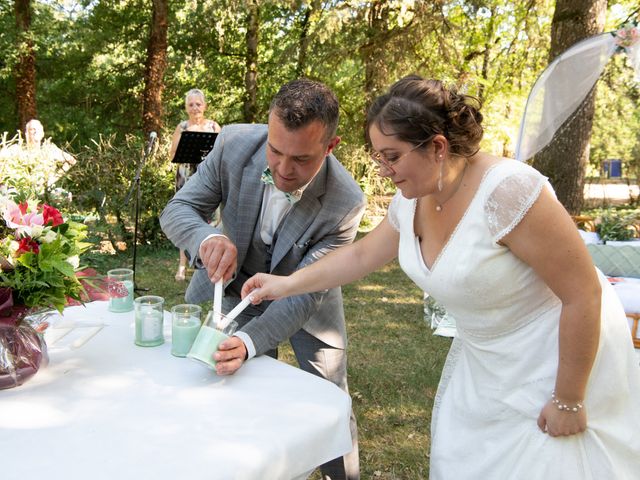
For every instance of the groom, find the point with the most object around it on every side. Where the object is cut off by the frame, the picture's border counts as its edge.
(285, 202)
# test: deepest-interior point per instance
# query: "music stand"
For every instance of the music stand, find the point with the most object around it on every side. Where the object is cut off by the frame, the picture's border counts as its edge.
(194, 146)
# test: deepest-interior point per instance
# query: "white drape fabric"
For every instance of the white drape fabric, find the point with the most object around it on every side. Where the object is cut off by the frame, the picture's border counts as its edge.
(560, 90)
(562, 87)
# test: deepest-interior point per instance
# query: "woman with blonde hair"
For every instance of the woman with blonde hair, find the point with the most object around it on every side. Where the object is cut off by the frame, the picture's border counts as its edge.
(195, 105)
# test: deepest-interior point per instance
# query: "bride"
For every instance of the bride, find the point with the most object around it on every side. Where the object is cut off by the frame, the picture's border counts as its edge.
(540, 382)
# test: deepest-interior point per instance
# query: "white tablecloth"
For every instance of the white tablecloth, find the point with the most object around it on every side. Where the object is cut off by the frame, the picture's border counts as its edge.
(111, 410)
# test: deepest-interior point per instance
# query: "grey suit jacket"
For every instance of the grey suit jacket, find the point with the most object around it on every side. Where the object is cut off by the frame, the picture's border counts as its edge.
(326, 217)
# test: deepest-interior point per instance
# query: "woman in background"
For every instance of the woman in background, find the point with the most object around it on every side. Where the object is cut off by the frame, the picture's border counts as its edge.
(34, 134)
(48, 161)
(541, 382)
(195, 105)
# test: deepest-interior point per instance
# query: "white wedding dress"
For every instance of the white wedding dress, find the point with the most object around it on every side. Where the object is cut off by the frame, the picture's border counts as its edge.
(501, 369)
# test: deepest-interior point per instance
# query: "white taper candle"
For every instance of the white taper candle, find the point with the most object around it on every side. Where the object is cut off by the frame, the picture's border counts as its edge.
(217, 302)
(229, 317)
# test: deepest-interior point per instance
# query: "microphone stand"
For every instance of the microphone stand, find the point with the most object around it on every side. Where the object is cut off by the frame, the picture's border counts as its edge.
(135, 185)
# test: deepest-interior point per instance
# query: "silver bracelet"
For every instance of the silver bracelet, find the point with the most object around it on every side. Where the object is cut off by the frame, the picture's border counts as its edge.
(563, 406)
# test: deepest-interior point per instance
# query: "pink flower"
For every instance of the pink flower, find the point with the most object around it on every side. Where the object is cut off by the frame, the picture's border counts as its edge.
(627, 36)
(18, 215)
(51, 214)
(19, 218)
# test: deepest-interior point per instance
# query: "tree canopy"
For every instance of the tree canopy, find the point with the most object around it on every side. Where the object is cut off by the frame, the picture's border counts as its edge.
(91, 58)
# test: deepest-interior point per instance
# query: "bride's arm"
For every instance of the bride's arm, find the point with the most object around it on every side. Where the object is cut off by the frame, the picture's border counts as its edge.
(548, 241)
(343, 265)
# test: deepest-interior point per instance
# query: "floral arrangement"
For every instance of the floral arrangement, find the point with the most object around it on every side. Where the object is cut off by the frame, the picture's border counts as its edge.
(39, 256)
(627, 36)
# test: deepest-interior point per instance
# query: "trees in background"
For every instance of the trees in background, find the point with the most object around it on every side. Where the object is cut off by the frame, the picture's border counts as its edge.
(616, 132)
(101, 64)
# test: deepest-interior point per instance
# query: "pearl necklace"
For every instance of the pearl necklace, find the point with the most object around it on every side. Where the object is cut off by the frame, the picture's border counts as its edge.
(440, 205)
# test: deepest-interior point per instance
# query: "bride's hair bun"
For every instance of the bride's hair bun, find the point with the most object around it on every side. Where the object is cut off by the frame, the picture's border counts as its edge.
(415, 109)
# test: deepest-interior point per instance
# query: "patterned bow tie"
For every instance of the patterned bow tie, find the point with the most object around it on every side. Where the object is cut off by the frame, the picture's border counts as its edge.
(267, 179)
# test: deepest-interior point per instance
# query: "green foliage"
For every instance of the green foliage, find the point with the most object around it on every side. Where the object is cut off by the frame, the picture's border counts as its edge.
(46, 278)
(356, 160)
(102, 181)
(7, 60)
(90, 59)
(618, 225)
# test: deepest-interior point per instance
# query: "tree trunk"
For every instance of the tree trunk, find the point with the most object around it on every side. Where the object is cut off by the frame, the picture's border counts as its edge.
(373, 52)
(303, 44)
(25, 69)
(250, 107)
(155, 67)
(565, 159)
(486, 55)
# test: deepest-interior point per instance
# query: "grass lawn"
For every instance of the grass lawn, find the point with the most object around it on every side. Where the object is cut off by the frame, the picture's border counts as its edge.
(394, 361)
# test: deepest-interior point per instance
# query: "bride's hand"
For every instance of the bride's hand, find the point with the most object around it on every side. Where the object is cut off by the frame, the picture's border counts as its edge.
(559, 423)
(263, 286)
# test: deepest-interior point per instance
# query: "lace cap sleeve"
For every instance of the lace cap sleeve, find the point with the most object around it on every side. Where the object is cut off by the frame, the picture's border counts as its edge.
(393, 211)
(511, 199)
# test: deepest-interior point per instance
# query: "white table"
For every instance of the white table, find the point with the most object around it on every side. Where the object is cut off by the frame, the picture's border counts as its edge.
(112, 410)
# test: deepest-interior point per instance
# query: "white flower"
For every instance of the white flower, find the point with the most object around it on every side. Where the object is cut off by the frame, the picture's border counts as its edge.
(74, 261)
(13, 248)
(49, 236)
(36, 231)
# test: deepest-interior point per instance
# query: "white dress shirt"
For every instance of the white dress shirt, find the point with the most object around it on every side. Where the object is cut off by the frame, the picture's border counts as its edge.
(275, 207)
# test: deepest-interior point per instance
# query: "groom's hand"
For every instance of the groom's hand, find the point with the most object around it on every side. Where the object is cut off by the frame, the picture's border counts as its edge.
(230, 356)
(219, 256)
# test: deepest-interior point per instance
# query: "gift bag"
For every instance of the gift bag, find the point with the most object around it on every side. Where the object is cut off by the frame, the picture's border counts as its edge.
(23, 352)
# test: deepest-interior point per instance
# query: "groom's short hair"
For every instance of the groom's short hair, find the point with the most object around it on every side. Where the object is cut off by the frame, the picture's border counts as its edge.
(302, 101)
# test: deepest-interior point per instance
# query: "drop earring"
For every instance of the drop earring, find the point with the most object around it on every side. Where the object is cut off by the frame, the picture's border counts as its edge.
(440, 176)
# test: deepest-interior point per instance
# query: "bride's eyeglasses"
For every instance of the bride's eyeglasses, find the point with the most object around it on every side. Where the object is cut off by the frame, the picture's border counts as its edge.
(382, 160)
